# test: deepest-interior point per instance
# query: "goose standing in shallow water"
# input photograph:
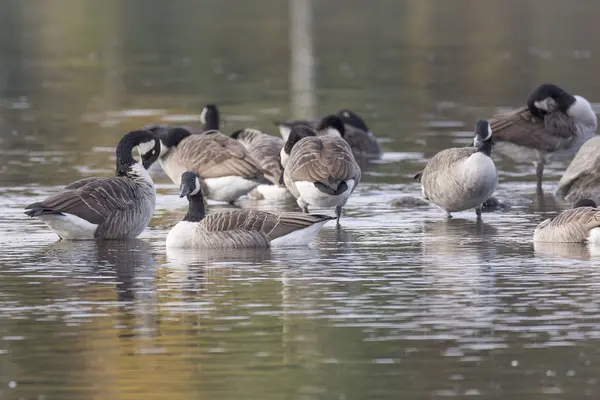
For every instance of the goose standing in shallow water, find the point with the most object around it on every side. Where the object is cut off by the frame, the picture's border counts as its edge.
(266, 149)
(320, 171)
(360, 138)
(552, 126)
(578, 225)
(226, 168)
(240, 228)
(106, 208)
(459, 179)
(581, 180)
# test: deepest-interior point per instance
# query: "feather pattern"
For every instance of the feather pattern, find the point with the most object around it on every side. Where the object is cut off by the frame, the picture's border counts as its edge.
(570, 226)
(554, 132)
(264, 148)
(324, 159)
(581, 180)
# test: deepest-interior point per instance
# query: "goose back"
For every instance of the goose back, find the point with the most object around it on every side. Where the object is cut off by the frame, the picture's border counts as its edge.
(264, 148)
(212, 155)
(572, 226)
(326, 159)
(582, 177)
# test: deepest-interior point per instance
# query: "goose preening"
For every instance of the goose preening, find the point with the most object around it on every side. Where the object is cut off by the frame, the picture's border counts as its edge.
(266, 149)
(580, 224)
(360, 138)
(226, 168)
(459, 179)
(552, 126)
(320, 171)
(581, 180)
(241, 228)
(209, 117)
(106, 208)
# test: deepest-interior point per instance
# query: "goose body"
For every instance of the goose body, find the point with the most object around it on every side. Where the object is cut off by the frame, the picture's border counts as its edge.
(580, 224)
(266, 149)
(459, 179)
(581, 180)
(551, 127)
(320, 171)
(360, 138)
(240, 228)
(106, 208)
(226, 168)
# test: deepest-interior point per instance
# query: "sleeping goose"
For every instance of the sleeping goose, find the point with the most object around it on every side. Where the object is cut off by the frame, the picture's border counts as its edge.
(552, 126)
(226, 168)
(578, 225)
(106, 208)
(581, 180)
(240, 228)
(459, 179)
(320, 171)
(210, 118)
(266, 149)
(360, 138)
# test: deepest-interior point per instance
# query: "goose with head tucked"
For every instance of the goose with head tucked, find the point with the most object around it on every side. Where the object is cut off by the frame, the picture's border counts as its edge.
(459, 179)
(106, 208)
(581, 180)
(581, 224)
(240, 228)
(552, 126)
(320, 171)
(360, 138)
(266, 149)
(226, 168)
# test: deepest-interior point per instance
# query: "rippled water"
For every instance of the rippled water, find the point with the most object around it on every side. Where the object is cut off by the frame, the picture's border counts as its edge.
(398, 303)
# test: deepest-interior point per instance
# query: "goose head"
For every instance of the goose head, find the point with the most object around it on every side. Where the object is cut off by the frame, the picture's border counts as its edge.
(190, 185)
(332, 124)
(483, 136)
(585, 203)
(547, 98)
(210, 117)
(148, 146)
(351, 118)
(296, 134)
(169, 136)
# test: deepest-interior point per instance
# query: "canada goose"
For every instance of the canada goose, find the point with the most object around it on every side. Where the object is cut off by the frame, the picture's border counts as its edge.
(266, 149)
(210, 118)
(320, 171)
(106, 208)
(552, 126)
(360, 138)
(581, 180)
(458, 179)
(226, 168)
(241, 228)
(578, 225)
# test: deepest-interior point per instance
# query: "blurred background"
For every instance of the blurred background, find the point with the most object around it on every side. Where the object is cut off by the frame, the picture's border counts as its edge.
(399, 304)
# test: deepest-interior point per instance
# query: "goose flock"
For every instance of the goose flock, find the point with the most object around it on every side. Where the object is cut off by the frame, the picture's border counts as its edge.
(317, 163)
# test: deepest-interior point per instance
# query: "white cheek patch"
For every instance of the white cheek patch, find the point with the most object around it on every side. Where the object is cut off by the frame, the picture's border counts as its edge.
(146, 147)
(489, 135)
(203, 116)
(284, 157)
(197, 188)
(333, 131)
(548, 104)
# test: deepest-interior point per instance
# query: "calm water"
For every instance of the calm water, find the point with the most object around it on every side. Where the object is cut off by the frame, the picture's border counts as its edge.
(398, 303)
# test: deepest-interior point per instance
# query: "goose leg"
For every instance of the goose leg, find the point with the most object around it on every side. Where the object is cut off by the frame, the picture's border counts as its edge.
(448, 215)
(338, 212)
(478, 212)
(539, 169)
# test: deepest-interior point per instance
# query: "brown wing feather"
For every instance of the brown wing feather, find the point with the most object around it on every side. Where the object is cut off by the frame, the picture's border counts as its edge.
(322, 159)
(213, 155)
(264, 148)
(272, 225)
(94, 200)
(587, 217)
(524, 129)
